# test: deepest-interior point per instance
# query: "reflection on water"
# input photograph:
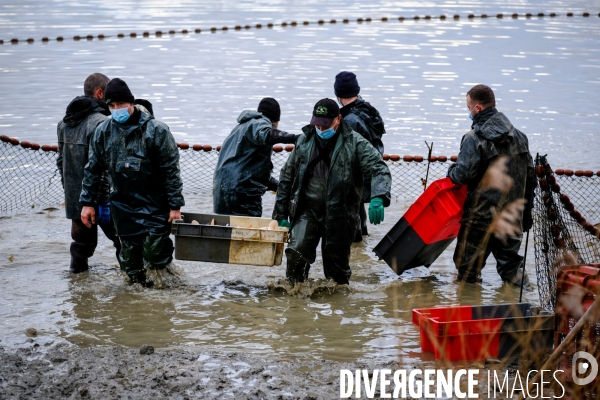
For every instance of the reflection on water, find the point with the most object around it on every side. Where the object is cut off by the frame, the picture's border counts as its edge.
(544, 70)
(221, 306)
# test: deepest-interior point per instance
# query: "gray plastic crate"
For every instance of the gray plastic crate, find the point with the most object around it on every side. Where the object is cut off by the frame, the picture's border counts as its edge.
(230, 239)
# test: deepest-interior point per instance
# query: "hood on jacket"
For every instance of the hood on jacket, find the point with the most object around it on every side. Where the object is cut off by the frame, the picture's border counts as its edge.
(82, 106)
(367, 113)
(247, 115)
(496, 128)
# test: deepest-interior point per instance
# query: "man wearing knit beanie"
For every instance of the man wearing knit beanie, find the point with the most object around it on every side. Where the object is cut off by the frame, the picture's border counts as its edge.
(142, 159)
(75, 130)
(243, 171)
(364, 120)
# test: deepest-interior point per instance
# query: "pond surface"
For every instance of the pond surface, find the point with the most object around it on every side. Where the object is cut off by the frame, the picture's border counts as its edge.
(223, 306)
(545, 72)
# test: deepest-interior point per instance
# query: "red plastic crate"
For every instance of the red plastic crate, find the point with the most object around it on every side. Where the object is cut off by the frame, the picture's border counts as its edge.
(436, 214)
(577, 287)
(480, 332)
(426, 229)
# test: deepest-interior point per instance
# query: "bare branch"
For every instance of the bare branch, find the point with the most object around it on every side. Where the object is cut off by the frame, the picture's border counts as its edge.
(508, 222)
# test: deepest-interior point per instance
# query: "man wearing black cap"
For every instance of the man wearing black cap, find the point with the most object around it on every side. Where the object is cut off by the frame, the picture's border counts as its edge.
(243, 172)
(75, 130)
(320, 190)
(364, 119)
(142, 159)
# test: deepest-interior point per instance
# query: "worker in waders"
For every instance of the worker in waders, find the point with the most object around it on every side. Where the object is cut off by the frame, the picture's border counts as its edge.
(320, 189)
(82, 117)
(142, 159)
(365, 120)
(243, 172)
(491, 136)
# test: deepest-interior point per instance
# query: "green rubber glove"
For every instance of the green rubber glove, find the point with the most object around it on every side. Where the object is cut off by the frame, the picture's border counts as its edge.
(376, 210)
(284, 223)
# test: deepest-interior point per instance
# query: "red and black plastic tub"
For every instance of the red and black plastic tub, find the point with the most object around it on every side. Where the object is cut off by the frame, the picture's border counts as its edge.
(426, 229)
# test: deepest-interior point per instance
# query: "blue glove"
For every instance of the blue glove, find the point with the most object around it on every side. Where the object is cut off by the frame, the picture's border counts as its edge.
(376, 210)
(104, 213)
(284, 223)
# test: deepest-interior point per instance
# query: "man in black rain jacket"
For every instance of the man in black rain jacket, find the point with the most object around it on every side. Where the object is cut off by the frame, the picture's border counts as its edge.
(365, 120)
(82, 117)
(491, 136)
(243, 171)
(142, 159)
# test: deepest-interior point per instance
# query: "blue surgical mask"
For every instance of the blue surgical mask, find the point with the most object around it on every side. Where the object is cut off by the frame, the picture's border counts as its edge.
(326, 134)
(340, 102)
(121, 114)
(470, 113)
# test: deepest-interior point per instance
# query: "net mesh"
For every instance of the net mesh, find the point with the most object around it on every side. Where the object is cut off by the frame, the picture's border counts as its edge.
(566, 207)
(29, 177)
(563, 234)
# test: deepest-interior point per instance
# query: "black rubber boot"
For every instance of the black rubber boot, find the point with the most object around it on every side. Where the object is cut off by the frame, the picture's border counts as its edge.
(78, 265)
(140, 278)
(297, 268)
(468, 278)
(519, 279)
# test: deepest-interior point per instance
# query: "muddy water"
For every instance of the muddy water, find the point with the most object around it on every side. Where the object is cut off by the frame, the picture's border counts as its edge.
(544, 70)
(221, 306)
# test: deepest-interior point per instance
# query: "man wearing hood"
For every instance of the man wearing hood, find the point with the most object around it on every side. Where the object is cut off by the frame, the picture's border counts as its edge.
(83, 115)
(142, 159)
(243, 171)
(365, 120)
(491, 136)
(320, 190)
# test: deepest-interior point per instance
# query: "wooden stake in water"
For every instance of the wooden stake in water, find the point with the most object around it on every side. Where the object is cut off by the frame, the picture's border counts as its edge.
(428, 163)
(527, 223)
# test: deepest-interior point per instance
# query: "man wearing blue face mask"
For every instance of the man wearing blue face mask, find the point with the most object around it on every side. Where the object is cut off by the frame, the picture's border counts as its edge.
(320, 189)
(75, 130)
(492, 136)
(142, 159)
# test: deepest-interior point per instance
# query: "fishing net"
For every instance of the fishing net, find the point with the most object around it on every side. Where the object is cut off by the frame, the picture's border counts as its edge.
(566, 208)
(563, 234)
(29, 177)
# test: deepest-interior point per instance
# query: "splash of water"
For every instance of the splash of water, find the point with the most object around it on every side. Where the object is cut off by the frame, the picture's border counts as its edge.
(307, 288)
(170, 276)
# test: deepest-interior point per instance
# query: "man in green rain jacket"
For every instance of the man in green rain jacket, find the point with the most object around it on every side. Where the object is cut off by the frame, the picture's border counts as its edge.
(320, 190)
(142, 159)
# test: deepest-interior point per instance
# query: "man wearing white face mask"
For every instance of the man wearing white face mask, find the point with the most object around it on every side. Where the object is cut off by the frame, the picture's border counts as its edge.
(320, 188)
(142, 159)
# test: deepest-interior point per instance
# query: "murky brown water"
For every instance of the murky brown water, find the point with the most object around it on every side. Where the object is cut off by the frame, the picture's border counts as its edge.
(221, 306)
(545, 72)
